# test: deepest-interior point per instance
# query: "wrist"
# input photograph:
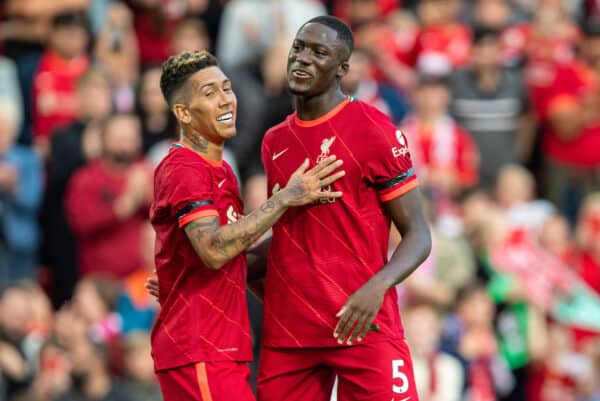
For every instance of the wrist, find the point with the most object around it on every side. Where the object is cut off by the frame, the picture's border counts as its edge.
(382, 282)
(282, 198)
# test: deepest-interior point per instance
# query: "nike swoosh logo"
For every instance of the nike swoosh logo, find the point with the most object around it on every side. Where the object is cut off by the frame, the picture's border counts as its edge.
(221, 183)
(276, 155)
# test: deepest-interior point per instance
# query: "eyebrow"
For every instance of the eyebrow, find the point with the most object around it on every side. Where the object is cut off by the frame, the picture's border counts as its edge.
(225, 81)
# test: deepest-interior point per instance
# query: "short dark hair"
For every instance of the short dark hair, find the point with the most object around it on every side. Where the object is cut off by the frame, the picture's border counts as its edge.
(343, 31)
(483, 33)
(68, 19)
(177, 69)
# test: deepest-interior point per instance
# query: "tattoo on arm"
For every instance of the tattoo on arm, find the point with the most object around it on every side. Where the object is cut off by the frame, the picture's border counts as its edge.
(209, 237)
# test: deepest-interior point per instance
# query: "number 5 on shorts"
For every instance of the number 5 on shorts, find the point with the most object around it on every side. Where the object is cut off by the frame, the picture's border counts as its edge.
(397, 364)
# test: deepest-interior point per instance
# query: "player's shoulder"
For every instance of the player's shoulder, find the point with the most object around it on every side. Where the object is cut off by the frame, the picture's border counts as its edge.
(367, 113)
(278, 130)
(369, 120)
(177, 161)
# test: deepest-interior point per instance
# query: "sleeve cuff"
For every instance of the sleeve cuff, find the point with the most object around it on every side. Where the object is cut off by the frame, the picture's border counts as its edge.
(197, 215)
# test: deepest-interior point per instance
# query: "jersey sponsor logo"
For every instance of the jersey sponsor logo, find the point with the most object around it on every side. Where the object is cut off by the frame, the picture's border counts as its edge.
(232, 215)
(278, 154)
(220, 184)
(403, 149)
(325, 150)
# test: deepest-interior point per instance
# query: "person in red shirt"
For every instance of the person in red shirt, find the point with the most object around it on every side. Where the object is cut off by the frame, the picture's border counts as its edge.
(588, 237)
(330, 306)
(201, 340)
(444, 42)
(55, 81)
(107, 202)
(442, 150)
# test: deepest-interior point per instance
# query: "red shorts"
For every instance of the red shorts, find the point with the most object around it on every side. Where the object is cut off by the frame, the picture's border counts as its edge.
(206, 381)
(366, 372)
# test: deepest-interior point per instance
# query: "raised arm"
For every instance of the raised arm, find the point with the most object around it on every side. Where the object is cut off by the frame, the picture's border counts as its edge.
(216, 244)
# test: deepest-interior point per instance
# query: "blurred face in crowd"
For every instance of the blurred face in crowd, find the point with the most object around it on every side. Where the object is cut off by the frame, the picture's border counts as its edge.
(151, 98)
(210, 107)
(316, 60)
(15, 312)
(476, 309)
(514, 185)
(554, 236)
(492, 14)
(588, 226)
(94, 97)
(434, 12)
(69, 40)
(422, 329)
(591, 52)
(138, 360)
(190, 35)
(87, 303)
(362, 11)
(360, 66)
(122, 140)
(432, 99)
(486, 53)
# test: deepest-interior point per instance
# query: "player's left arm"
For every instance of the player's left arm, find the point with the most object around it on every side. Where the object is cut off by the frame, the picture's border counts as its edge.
(389, 170)
(359, 311)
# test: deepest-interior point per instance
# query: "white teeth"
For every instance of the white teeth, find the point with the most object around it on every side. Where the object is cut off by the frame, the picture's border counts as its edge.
(300, 74)
(225, 117)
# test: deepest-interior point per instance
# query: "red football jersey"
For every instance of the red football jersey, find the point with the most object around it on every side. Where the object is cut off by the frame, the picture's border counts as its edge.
(322, 253)
(203, 316)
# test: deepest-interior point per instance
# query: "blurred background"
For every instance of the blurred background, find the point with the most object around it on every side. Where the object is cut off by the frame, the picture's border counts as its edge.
(499, 100)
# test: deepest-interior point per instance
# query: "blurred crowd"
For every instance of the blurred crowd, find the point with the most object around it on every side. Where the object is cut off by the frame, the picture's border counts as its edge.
(499, 100)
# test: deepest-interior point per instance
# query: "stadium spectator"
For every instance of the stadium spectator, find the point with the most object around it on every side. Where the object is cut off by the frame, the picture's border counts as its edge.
(588, 240)
(11, 90)
(107, 201)
(20, 199)
(63, 62)
(135, 306)
(91, 379)
(15, 370)
(157, 121)
(439, 376)
(190, 35)
(443, 152)
(139, 369)
(491, 103)
(71, 148)
(359, 83)
(116, 52)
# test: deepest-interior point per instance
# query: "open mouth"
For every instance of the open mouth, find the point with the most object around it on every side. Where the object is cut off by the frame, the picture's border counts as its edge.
(227, 117)
(300, 74)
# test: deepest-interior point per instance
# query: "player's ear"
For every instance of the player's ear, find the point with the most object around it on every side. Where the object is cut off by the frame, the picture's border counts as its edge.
(343, 68)
(182, 113)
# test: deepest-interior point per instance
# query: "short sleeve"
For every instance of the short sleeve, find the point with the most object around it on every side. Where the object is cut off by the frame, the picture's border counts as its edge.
(190, 193)
(388, 165)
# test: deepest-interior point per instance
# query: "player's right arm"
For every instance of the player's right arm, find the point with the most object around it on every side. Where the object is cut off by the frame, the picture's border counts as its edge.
(216, 244)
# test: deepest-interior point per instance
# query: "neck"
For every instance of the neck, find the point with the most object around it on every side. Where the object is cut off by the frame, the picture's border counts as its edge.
(488, 78)
(202, 146)
(311, 108)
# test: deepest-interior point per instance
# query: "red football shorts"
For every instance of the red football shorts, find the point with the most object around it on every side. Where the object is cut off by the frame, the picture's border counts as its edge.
(206, 381)
(366, 372)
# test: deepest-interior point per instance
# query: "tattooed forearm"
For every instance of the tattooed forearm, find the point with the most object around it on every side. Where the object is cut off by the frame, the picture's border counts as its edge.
(216, 244)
